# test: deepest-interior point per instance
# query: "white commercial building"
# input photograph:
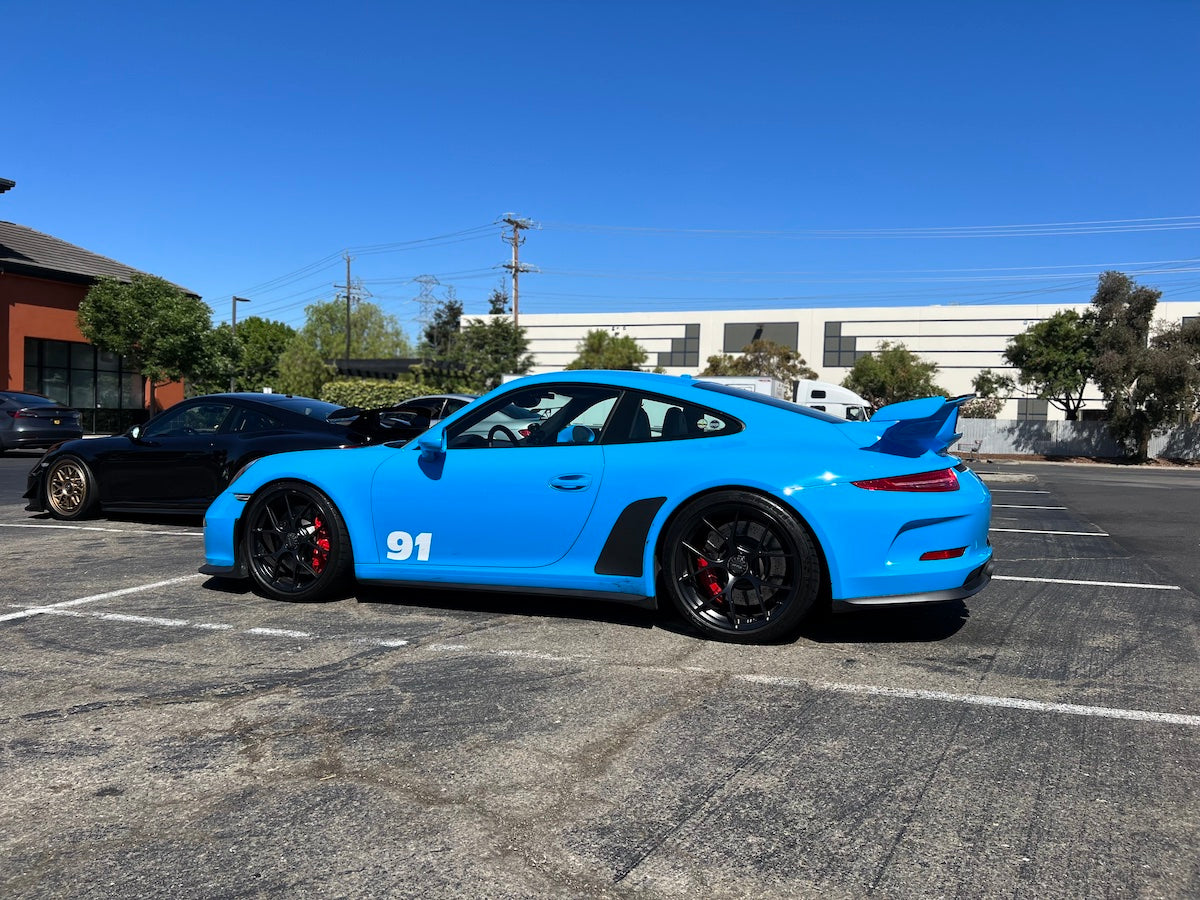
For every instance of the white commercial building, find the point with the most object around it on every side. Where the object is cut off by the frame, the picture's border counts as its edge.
(961, 340)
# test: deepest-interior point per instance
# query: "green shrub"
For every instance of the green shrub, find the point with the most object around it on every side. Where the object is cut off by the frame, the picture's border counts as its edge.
(369, 393)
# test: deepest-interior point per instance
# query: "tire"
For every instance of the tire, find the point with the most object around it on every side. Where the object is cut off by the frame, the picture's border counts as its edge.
(296, 544)
(70, 489)
(740, 567)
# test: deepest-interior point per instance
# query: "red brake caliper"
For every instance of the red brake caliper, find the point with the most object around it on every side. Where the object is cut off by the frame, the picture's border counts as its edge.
(707, 580)
(321, 552)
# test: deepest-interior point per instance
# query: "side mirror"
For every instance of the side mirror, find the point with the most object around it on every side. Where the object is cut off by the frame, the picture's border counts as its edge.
(432, 443)
(135, 432)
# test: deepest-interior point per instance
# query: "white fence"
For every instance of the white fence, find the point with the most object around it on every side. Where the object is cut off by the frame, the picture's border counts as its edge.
(1061, 438)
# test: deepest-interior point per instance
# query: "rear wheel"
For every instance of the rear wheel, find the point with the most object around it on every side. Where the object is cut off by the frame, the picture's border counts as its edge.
(296, 544)
(70, 489)
(740, 567)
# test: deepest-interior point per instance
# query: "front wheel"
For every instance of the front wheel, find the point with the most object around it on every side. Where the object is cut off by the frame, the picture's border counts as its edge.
(740, 567)
(70, 489)
(296, 543)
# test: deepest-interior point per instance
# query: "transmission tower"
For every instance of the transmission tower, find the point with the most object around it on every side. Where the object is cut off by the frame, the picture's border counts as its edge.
(425, 301)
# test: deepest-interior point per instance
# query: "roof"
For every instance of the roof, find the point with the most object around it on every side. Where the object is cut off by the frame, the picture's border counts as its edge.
(24, 251)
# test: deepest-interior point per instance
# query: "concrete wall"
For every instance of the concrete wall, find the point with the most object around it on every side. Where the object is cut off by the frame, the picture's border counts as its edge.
(1062, 438)
(961, 340)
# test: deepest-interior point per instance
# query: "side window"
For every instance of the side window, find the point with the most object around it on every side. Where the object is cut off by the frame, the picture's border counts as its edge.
(644, 418)
(248, 421)
(199, 418)
(554, 415)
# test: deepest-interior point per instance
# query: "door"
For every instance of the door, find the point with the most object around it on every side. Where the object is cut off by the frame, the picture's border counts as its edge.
(495, 498)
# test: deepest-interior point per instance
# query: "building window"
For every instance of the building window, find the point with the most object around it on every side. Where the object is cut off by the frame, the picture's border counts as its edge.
(1030, 409)
(685, 351)
(838, 350)
(739, 334)
(100, 385)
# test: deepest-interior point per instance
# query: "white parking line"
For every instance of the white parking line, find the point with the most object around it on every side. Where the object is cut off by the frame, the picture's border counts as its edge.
(38, 610)
(1127, 584)
(1022, 506)
(1070, 709)
(209, 626)
(100, 528)
(1014, 491)
(1036, 531)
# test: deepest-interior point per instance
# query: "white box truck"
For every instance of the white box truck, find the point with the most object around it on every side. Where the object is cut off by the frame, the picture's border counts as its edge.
(833, 399)
(830, 398)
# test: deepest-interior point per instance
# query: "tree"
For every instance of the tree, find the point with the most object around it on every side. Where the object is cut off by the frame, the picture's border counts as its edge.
(602, 349)
(160, 328)
(992, 390)
(762, 357)
(1149, 382)
(373, 333)
(440, 333)
(488, 349)
(891, 374)
(303, 370)
(1055, 358)
(253, 362)
(498, 302)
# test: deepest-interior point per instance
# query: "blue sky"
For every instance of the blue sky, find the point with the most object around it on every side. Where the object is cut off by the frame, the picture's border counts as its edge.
(677, 155)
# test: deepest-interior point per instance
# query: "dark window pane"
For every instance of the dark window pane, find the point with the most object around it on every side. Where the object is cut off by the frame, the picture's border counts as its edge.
(83, 389)
(108, 394)
(56, 354)
(83, 356)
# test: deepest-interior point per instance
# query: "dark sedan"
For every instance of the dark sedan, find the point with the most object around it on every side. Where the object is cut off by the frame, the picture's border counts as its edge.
(182, 458)
(31, 422)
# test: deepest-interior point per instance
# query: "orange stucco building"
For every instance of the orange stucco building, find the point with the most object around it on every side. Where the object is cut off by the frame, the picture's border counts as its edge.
(42, 281)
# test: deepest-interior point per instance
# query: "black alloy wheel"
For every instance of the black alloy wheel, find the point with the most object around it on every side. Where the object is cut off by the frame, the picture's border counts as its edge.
(70, 489)
(296, 544)
(740, 567)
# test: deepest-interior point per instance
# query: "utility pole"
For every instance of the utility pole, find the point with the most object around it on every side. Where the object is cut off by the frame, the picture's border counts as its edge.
(348, 298)
(236, 349)
(517, 224)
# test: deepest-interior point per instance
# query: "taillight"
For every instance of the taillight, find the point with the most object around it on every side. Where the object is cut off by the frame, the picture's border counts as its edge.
(954, 553)
(923, 482)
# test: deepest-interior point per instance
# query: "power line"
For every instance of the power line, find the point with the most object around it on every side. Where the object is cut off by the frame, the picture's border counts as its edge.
(1102, 226)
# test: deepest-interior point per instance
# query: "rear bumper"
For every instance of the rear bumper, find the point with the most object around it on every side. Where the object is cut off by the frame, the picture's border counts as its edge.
(37, 439)
(976, 582)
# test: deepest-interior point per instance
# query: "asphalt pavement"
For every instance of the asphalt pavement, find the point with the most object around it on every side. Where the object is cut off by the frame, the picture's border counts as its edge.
(169, 734)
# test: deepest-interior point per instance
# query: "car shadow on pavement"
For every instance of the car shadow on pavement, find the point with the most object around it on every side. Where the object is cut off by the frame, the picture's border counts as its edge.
(878, 625)
(925, 623)
(505, 603)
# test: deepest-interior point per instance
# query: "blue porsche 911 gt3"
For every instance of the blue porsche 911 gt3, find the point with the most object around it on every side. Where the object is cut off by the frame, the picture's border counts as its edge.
(746, 511)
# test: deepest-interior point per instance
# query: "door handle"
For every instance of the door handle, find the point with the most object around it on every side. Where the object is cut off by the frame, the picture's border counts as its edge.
(572, 483)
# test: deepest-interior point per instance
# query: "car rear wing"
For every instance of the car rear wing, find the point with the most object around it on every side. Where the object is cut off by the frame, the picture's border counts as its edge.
(913, 427)
(374, 424)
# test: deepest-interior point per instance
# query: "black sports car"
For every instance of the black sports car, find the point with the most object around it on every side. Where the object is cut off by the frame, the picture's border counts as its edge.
(182, 458)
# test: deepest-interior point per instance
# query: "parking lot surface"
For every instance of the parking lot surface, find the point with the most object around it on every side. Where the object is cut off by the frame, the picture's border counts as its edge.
(169, 734)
